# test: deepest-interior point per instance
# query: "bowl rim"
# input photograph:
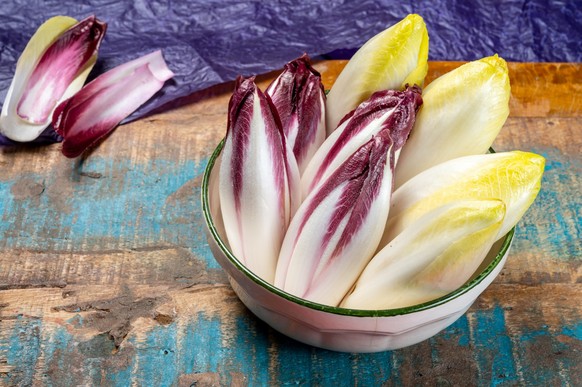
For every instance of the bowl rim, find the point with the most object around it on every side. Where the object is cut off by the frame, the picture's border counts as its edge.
(334, 309)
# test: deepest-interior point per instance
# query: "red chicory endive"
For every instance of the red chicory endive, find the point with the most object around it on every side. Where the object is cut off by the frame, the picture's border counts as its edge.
(53, 67)
(299, 98)
(57, 68)
(258, 180)
(335, 231)
(390, 110)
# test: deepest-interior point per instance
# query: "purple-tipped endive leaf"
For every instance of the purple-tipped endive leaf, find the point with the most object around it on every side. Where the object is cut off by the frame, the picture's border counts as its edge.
(258, 182)
(461, 115)
(389, 110)
(299, 98)
(512, 177)
(335, 231)
(53, 67)
(392, 59)
(432, 257)
(101, 105)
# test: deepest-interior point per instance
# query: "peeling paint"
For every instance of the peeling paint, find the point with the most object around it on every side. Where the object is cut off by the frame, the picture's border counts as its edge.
(177, 352)
(23, 348)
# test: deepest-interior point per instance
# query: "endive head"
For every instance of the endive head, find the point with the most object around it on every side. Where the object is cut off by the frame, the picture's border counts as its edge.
(475, 94)
(512, 177)
(463, 233)
(53, 66)
(299, 99)
(389, 111)
(258, 179)
(462, 114)
(335, 230)
(390, 60)
(435, 255)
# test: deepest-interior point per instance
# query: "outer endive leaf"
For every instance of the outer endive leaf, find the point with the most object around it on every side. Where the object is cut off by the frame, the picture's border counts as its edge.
(53, 66)
(390, 60)
(462, 113)
(435, 255)
(104, 102)
(513, 177)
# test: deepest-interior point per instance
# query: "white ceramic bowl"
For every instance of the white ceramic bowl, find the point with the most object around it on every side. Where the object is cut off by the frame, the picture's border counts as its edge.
(340, 329)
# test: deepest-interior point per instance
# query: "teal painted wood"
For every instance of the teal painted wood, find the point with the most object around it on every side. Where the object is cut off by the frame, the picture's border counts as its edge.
(103, 205)
(169, 353)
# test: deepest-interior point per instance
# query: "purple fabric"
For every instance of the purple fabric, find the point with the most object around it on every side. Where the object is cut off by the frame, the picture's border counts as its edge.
(206, 42)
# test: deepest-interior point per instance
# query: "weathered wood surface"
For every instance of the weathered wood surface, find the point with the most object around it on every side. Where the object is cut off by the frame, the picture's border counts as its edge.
(106, 277)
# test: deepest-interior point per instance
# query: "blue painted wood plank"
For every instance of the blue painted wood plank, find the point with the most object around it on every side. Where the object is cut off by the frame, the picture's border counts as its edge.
(167, 352)
(554, 222)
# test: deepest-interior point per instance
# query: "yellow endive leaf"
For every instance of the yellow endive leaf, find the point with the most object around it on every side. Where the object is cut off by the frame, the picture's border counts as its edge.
(512, 177)
(437, 254)
(462, 113)
(395, 57)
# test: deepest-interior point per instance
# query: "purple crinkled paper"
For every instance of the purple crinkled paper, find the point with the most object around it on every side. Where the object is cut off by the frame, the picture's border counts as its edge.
(209, 42)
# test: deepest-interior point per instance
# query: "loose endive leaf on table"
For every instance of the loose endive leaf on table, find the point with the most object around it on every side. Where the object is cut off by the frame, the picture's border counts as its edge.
(392, 59)
(432, 257)
(387, 110)
(462, 113)
(258, 182)
(53, 67)
(512, 177)
(335, 231)
(101, 105)
(299, 98)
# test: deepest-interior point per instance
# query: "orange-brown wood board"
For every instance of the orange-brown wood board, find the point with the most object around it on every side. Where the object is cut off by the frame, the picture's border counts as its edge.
(106, 277)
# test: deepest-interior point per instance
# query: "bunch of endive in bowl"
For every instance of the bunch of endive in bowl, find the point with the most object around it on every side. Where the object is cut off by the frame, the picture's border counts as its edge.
(379, 194)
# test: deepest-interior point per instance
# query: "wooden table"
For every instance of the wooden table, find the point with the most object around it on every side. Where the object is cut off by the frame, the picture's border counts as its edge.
(106, 277)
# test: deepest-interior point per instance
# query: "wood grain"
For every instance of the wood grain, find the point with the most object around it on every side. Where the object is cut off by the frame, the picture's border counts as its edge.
(537, 89)
(106, 277)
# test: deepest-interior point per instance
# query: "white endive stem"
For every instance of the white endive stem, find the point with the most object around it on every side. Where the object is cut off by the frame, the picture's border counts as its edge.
(462, 113)
(432, 257)
(390, 60)
(258, 182)
(53, 67)
(512, 177)
(389, 110)
(335, 230)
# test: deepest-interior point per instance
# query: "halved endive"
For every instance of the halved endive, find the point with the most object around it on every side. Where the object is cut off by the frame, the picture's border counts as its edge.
(104, 102)
(390, 60)
(432, 257)
(512, 177)
(390, 110)
(53, 67)
(462, 113)
(335, 231)
(258, 180)
(299, 98)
